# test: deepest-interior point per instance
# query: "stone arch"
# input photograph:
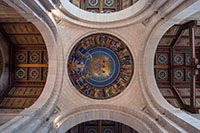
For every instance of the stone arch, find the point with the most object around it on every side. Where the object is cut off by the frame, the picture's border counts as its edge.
(46, 101)
(65, 120)
(137, 13)
(149, 85)
(4, 54)
(116, 16)
(149, 53)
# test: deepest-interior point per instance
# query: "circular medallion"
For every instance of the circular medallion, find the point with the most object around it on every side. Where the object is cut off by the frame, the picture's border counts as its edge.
(162, 74)
(178, 59)
(93, 2)
(108, 3)
(35, 57)
(162, 59)
(34, 73)
(100, 66)
(20, 74)
(21, 57)
(178, 75)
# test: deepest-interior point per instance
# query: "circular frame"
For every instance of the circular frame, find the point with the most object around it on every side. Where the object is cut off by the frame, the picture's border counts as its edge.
(82, 84)
(68, 11)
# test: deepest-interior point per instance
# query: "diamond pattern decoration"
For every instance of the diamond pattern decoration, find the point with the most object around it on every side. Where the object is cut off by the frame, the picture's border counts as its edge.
(35, 57)
(21, 57)
(103, 6)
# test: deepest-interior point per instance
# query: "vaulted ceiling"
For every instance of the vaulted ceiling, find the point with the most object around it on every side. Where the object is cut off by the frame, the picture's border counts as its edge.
(28, 60)
(103, 6)
(173, 65)
(28, 64)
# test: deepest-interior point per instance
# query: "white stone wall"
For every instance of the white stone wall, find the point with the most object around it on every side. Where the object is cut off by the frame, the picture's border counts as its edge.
(4, 74)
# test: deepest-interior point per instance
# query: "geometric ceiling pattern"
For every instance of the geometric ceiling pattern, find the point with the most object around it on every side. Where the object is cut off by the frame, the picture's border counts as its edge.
(100, 66)
(173, 72)
(28, 64)
(101, 126)
(103, 6)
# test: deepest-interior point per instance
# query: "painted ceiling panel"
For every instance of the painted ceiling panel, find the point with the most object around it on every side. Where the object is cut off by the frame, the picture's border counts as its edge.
(30, 61)
(181, 65)
(20, 28)
(26, 39)
(103, 6)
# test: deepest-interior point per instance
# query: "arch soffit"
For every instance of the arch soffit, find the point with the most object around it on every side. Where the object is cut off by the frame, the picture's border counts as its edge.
(50, 90)
(150, 88)
(53, 46)
(116, 16)
(4, 57)
(134, 119)
(138, 12)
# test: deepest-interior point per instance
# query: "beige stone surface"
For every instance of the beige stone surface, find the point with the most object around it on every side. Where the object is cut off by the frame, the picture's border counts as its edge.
(140, 105)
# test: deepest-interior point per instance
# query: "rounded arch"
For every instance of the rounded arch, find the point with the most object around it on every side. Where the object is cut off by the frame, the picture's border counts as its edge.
(149, 53)
(148, 83)
(66, 120)
(4, 59)
(44, 105)
(138, 12)
(116, 16)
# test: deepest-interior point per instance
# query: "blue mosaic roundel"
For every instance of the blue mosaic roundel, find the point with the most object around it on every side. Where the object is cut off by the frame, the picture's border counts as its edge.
(100, 66)
(104, 66)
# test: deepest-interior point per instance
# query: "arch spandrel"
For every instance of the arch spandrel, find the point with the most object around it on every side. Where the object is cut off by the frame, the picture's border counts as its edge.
(153, 110)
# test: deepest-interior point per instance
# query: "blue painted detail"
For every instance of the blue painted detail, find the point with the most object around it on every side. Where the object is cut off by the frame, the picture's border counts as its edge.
(109, 3)
(178, 59)
(100, 70)
(178, 74)
(93, 11)
(162, 74)
(114, 66)
(162, 59)
(93, 2)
